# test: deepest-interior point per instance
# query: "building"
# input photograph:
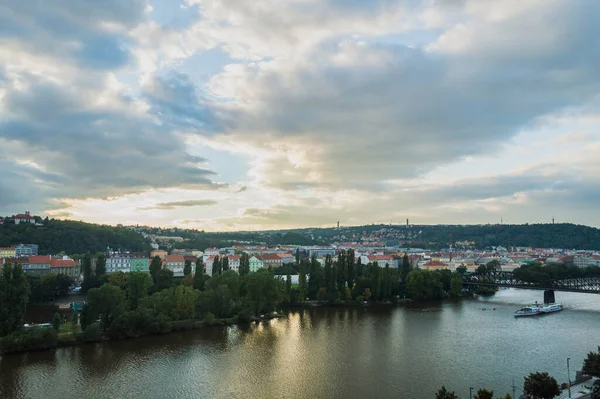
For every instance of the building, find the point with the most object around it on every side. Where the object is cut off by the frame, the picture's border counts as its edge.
(234, 263)
(37, 265)
(435, 265)
(24, 218)
(139, 263)
(9, 252)
(319, 251)
(118, 262)
(255, 264)
(26, 250)
(174, 261)
(65, 265)
(381, 260)
(287, 258)
(271, 261)
(211, 252)
(160, 253)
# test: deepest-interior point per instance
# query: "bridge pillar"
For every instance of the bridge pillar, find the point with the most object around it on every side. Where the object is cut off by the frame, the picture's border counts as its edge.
(549, 296)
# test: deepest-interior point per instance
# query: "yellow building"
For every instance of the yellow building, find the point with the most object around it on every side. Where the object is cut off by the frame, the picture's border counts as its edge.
(7, 252)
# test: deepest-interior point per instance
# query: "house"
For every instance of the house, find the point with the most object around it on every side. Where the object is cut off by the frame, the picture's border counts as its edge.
(271, 261)
(24, 218)
(118, 262)
(66, 266)
(381, 260)
(37, 265)
(8, 252)
(287, 258)
(255, 264)
(435, 265)
(26, 250)
(139, 262)
(160, 253)
(211, 252)
(234, 263)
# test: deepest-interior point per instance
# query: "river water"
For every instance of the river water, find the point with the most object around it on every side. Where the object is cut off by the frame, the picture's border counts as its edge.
(375, 352)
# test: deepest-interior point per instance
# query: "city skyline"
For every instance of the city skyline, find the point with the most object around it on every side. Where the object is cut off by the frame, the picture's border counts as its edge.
(229, 115)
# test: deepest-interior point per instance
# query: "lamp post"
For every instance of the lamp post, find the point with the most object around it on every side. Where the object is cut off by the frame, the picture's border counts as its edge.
(569, 376)
(470, 392)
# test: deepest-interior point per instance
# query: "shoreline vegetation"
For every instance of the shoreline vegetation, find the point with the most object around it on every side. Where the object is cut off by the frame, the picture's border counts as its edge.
(128, 305)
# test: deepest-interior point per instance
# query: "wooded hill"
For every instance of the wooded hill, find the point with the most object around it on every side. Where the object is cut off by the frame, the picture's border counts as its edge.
(57, 236)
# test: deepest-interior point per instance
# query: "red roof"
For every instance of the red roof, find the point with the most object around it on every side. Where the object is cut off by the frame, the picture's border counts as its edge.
(39, 260)
(379, 257)
(175, 258)
(23, 216)
(270, 257)
(62, 263)
(285, 255)
(435, 263)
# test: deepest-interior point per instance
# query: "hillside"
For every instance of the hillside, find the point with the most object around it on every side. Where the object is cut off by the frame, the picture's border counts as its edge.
(72, 237)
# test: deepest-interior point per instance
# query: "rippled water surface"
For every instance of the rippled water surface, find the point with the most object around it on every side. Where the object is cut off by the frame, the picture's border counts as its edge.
(383, 352)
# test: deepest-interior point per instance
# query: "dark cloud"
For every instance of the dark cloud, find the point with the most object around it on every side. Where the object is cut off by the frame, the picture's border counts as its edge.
(180, 204)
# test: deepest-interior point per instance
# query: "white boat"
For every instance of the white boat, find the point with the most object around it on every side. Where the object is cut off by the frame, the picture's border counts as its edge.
(532, 310)
(552, 307)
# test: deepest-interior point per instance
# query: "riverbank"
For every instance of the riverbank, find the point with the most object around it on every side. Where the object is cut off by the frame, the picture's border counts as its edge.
(48, 338)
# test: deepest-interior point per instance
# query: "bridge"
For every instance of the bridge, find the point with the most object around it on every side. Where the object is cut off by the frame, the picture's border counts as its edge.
(588, 284)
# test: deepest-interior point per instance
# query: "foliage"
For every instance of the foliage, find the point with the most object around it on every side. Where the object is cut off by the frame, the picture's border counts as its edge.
(187, 269)
(484, 394)
(216, 266)
(100, 264)
(105, 303)
(424, 285)
(199, 276)
(72, 237)
(86, 265)
(262, 291)
(244, 264)
(56, 321)
(27, 340)
(302, 287)
(591, 364)
(541, 385)
(14, 296)
(92, 333)
(164, 279)
(155, 268)
(138, 286)
(443, 393)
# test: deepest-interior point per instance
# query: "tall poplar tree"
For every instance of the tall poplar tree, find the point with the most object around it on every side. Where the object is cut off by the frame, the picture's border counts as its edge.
(199, 276)
(101, 265)
(187, 269)
(224, 263)
(302, 287)
(86, 266)
(350, 274)
(216, 266)
(155, 267)
(244, 264)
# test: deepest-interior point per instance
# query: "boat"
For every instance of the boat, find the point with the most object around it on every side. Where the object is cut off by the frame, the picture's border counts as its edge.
(531, 310)
(552, 307)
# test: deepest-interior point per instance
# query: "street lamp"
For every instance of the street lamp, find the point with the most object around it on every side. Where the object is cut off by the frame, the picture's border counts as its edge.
(569, 376)
(470, 392)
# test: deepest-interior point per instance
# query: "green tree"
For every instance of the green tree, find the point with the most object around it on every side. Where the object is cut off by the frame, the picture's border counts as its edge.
(329, 276)
(315, 277)
(493, 265)
(443, 393)
(86, 265)
(120, 279)
(199, 276)
(386, 285)
(14, 297)
(106, 303)
(262, 293)
(138, 285)
(244, 264)
(302, 287)
(456, 284)
(164, 279)
(405, 268)
(424, 285)
(484, 394)
(288, 287)
(155, 268)
(225, 263)
(185, 302)
(591, 364)
(101, 264)
(75, 318)
(541, 385)
(187, 269)
(350, 272)
(56, 321)
(462, 270)
(216, 266)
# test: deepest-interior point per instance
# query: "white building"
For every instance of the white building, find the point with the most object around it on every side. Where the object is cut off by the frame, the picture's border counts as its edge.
(118, 262)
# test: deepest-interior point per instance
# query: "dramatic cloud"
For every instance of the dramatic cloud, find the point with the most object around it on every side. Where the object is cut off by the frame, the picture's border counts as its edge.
(300, 112)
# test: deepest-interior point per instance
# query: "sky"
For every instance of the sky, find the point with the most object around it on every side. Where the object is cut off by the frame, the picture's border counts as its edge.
(266, 114)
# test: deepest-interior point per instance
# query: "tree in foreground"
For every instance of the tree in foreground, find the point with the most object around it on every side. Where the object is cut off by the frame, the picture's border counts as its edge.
(443, 393)
(187, 269)
(106, 303)
(56, 321)
(155, 267)
(199, 277)
(244, 264)
(484, 394)
(591, 364)
(100, 265)
(14, 297)
(541, 385)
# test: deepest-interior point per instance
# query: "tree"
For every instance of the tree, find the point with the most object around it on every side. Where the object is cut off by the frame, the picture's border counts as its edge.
(541, 385)
(106, 303)
(591, 364)
(462, 270)
(456, 284)
(101, 264)
(138, 285)
(155, 267)
(302, 287)
(119, 279)
(481, 269)
(315, 277)
(14, 297)
(164, 279)
(424, 284)
(86, 265)
(493, 265)
(187, 269)
(405, 268)
(185, 303)
(244, 264)
(262, 292)
(56, 321)
(484, 394)
(288, 287)
(199, 277)
(350, 273)
(224, 263)
(443, 393)
(216, 266)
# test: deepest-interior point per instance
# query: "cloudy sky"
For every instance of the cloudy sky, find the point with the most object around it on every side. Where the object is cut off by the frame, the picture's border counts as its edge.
(243, 115)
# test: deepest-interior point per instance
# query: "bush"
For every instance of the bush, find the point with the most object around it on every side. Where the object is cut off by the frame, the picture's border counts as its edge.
(92, 333)
(209, 318)
(22, 341)
(244, 316)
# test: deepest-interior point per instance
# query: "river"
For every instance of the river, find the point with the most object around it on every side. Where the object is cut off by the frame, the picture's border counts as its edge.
(375, 352)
